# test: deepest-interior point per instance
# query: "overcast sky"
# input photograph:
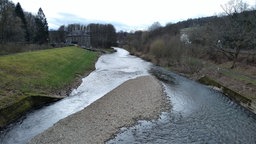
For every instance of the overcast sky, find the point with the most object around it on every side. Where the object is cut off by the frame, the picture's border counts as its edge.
(124, 14)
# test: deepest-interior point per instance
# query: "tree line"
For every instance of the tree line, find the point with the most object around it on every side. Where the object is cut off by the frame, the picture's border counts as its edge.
(100, 35)
(24, 31)
(227, 37)
(18, 26)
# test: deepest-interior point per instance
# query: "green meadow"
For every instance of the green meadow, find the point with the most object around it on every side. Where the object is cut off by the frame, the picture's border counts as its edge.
(42, 72)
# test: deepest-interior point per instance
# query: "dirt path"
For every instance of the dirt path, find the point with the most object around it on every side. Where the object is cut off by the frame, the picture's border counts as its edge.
(140, 98)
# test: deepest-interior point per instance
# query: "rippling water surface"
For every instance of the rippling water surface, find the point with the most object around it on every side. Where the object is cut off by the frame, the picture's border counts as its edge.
(198, 114)
(111, 71)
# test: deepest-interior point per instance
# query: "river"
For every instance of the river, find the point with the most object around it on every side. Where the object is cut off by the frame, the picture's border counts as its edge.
(111, 71)
(198, 114)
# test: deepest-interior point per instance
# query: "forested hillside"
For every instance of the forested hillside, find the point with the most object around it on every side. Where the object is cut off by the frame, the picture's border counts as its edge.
(18, 28)
(23, 31)
(220, 47)
(230, 37)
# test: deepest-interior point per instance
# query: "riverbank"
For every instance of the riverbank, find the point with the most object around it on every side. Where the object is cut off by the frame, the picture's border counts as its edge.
(31, 79)
(238, 83)
(140, 98)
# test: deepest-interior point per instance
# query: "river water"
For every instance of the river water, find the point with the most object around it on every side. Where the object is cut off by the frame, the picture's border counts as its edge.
(198, 114)
(111, 71)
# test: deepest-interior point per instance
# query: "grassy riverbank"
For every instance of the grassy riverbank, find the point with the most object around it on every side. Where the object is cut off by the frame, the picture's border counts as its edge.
(42, 73)
(240, 80)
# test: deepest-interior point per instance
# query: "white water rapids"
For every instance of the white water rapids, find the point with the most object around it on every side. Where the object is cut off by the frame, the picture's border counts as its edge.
(198, 114)
(111, 71)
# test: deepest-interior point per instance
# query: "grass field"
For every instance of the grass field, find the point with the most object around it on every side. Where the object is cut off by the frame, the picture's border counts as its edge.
(42, 72)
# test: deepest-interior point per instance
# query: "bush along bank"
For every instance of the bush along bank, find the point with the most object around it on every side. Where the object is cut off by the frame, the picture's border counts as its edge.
(237, 84)
(32, 79)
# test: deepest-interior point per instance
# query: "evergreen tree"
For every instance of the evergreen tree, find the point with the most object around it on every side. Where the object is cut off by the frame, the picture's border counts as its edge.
(31, 25)
(42, 33)
(19, 12)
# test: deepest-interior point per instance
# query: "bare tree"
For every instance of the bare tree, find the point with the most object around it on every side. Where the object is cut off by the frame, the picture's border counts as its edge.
(10, 25)
(154, 26)
(235, 6)
(236, 30)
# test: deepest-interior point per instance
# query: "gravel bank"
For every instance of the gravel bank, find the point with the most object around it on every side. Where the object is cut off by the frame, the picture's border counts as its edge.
(141, 98)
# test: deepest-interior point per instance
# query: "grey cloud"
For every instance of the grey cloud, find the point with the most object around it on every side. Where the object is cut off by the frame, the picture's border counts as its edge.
(68, 18)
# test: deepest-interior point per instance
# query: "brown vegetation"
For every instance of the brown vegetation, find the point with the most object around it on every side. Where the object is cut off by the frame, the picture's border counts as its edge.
(11, 48)
(222, 48)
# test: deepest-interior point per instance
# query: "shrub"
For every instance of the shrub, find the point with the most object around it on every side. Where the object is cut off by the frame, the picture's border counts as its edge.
(193, 65)
(11, 48)
(174, 49)
(157, 48)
